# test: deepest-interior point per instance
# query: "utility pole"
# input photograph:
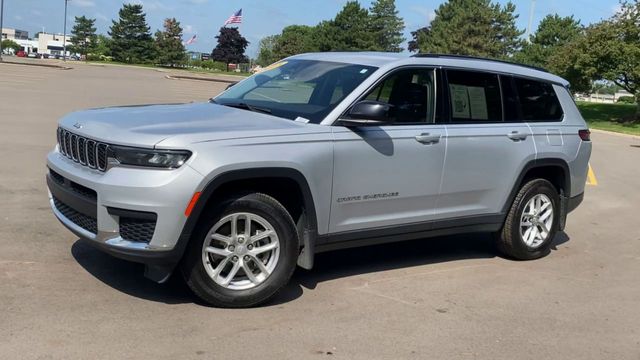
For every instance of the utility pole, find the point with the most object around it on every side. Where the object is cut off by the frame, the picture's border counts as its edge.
(1, 18)
(531, 11)
(64, 35)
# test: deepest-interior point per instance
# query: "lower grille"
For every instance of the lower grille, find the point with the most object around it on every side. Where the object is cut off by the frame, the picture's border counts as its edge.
(138, 230)
(84, 221)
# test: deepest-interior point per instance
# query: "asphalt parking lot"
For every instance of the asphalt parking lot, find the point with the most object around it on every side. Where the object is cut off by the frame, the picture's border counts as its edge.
(442, 298)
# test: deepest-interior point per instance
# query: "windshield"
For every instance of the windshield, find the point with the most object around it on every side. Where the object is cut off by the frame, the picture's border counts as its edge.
(297, 88)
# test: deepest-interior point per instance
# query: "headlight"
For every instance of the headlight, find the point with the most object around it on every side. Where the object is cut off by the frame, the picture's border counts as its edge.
(166, 159)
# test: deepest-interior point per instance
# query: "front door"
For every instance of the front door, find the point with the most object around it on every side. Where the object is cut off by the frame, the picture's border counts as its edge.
(390, 175)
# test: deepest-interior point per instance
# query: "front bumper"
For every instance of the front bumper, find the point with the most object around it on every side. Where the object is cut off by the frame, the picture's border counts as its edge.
(97, 213)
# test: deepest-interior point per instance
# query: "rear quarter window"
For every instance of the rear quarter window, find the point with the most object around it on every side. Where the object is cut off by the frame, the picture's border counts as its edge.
(538, 101)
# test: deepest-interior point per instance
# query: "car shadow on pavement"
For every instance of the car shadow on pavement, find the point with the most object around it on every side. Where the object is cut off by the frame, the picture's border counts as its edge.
(128, 277)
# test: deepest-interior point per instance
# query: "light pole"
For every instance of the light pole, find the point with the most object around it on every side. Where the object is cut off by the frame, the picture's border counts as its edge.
(531, 11)
(1, 18)
(64, 35)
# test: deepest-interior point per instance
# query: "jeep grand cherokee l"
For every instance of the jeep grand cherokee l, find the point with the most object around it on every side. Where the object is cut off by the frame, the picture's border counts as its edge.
(320, 152)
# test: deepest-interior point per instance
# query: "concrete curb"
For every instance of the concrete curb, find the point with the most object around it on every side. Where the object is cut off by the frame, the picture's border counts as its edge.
(36, 64)
(183, 77)
(637, 137)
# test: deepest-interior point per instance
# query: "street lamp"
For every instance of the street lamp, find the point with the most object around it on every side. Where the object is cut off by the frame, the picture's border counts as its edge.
(64, 35)
(1, 18)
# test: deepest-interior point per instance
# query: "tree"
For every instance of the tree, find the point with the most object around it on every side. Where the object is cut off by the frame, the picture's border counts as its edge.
(473, 27)
(549, 46)
(416, 38)
(386, 25)
(295, 39)
(10, 44)
(231, 47)
(102, 49)
(83, 36)
(171, 51)
(350, 30)
(266, 54)
(131, 39)
(611, 50)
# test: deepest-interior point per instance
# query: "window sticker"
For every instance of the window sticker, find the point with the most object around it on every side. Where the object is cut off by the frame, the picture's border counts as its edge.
(364, 71)
(460, 101)
(478, 103)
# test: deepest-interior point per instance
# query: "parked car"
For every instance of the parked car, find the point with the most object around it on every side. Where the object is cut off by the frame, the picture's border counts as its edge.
(21, 53)
(320, 152)
(32, 55)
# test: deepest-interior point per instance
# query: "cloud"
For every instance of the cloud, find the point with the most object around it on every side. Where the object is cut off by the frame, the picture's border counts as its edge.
(197, 2)
(429, 14)
(101, 16)
(83, 3)
(18, 17)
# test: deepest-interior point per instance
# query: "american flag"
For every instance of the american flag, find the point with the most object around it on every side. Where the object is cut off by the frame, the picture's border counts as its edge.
(235, 18)
(191, 41)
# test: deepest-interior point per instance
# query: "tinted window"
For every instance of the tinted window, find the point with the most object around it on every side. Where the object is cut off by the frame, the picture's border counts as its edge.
(474, 97)
(411, 92)
(510, 102)
(538, 101)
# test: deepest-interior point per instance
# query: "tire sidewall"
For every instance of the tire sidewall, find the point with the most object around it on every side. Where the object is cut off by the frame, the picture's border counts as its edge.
(204, 286)
(541, 187)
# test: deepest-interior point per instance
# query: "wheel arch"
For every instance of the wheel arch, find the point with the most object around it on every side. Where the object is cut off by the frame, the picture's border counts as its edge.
(553, 169)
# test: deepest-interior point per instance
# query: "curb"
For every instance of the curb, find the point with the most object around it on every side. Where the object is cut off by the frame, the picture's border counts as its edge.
(35, 64)
(183, 77)
(629, 136)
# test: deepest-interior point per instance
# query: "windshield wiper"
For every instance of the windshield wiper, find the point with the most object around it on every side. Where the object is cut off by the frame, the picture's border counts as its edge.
(246, 106)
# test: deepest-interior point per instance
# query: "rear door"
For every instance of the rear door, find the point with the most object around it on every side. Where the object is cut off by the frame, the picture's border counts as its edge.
(385, 176)
(487, 145)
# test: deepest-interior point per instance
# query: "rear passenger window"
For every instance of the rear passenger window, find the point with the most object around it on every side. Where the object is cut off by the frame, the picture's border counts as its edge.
(510, 102)
(474, 97)
(538, 101)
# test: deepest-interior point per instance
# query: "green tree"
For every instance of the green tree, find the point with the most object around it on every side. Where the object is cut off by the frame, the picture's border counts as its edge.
(611, 50)
(549, 47)
(473, 27)
(350, 30)
(231, 47)
(266, 54)
(171, 51)
(10, 44)
(83, 36)
(102, 50)
(131, 40)
(416, 38)
(386, 25)
(295, 39)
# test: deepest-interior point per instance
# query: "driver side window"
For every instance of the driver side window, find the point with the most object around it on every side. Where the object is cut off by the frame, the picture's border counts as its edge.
(411, 94)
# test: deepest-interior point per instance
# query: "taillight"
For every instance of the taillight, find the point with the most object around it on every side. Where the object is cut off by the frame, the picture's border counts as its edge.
(585, 135)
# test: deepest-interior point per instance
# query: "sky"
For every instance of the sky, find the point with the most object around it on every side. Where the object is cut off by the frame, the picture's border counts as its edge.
(260, 17)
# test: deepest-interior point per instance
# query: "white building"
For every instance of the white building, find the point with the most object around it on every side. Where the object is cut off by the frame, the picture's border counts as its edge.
(42, 43)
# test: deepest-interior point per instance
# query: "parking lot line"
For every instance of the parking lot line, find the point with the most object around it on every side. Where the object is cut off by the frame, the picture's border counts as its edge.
(591, 177)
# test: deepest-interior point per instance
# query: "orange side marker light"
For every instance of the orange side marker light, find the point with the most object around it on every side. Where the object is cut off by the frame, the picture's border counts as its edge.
(192, 204)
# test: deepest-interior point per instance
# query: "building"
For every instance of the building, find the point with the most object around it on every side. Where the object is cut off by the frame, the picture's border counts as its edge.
(603, 98)
(14, 34)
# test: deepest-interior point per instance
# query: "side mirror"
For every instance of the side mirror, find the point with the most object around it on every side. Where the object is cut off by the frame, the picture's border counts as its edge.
(367, 112)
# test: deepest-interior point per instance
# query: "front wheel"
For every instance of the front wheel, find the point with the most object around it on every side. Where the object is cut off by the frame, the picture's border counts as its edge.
(243, 254)
(532, 221)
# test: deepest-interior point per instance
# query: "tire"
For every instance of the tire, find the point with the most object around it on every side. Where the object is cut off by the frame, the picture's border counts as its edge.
(205, 265)
(513, 240)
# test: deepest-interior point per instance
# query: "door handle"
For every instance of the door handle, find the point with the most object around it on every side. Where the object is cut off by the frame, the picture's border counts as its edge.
(427, 138)
(517, 136)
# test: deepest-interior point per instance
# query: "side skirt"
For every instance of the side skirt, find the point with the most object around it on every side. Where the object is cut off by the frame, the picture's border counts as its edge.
(389, 234)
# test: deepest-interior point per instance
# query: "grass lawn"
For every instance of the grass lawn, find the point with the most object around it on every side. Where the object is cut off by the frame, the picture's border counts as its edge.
(605, 116)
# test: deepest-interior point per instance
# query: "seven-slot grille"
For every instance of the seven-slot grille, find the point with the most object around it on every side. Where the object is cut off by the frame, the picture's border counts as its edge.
(82, 150)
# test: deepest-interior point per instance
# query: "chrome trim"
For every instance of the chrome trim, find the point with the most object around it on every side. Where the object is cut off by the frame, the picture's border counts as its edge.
(69, 145)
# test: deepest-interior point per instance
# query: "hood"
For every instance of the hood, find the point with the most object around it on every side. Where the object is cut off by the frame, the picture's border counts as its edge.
(147, 125)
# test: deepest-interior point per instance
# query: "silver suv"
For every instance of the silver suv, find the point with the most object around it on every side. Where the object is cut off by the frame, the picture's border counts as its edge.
(320, 152)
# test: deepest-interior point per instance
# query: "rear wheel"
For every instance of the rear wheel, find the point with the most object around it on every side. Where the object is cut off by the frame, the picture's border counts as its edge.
(243, 254)
(532, 221)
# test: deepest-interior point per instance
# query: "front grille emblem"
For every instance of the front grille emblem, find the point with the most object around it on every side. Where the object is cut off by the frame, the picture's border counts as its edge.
(77, 126)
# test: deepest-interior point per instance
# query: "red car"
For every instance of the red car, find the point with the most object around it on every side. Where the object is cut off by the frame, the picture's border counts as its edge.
(21, 53)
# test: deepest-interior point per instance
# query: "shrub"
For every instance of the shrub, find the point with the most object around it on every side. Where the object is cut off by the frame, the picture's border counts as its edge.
(626, 100)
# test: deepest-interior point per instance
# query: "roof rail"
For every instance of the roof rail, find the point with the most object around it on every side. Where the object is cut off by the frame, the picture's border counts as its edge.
(469, 57)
